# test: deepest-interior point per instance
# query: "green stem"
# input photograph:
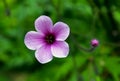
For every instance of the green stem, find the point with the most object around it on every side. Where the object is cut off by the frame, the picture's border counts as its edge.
(7, 10)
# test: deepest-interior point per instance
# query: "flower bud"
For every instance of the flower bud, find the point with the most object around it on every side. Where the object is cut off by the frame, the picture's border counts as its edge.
(94, 42)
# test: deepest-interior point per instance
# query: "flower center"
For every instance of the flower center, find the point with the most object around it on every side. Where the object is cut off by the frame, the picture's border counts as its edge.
(50, 39)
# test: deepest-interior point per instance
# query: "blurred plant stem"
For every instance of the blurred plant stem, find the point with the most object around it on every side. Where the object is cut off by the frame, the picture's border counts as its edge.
(7, 9)
(81, 47)
(96, 71)
(95, 17)
(93, 69)
(57, 5)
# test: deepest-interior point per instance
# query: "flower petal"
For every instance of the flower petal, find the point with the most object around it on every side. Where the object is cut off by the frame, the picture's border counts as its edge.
(33, 40)
(43, 24)
(61, 31)
(60, 49)
(43, 54)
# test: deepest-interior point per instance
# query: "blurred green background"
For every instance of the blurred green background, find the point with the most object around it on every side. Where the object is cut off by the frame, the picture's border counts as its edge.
(87, 19)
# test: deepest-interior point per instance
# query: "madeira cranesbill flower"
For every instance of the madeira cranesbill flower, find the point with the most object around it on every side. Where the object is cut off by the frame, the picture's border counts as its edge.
(48, 40)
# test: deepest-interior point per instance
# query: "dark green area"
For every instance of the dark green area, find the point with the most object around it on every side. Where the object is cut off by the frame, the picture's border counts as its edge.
(87, 19)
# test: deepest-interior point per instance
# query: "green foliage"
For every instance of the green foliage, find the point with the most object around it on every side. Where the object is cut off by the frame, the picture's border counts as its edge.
(87, 19)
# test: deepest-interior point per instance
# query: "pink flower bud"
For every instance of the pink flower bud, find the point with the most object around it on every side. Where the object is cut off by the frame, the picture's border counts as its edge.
(94, 42)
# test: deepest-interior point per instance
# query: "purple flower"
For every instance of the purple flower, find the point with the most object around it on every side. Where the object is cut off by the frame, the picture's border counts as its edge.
(49, 40)
(94, 42)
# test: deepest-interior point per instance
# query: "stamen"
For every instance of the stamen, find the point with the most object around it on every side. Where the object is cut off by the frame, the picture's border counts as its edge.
(50, 39)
